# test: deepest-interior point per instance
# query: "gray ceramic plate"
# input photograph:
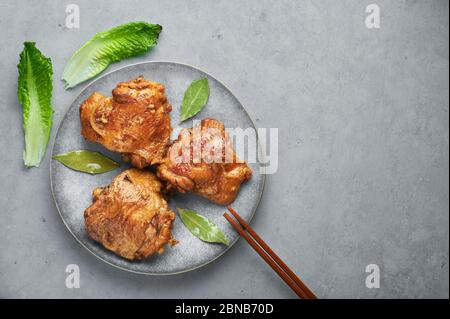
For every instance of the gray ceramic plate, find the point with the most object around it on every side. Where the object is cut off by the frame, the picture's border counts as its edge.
(72, 190)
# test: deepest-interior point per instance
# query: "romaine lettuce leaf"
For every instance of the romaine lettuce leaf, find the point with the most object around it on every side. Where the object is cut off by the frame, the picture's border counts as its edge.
(35, 94)
(109, 46)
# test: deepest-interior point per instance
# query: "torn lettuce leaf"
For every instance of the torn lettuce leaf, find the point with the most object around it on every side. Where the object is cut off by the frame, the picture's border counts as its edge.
(109, 46)
(35, 93)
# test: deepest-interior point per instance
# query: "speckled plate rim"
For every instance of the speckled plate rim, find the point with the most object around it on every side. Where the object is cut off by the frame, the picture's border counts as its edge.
(258, 201)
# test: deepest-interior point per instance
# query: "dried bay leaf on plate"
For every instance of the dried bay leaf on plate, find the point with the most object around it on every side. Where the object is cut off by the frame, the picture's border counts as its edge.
(202, 227)
(195, 98)
(87, 161)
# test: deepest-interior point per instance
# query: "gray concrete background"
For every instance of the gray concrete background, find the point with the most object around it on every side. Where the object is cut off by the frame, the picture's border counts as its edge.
(363, 124)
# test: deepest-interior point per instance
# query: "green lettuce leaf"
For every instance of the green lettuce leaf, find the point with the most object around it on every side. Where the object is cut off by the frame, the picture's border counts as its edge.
(106, 47)
(35, 94)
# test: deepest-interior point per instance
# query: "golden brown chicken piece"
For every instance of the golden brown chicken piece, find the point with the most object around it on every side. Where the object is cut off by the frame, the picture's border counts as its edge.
(130, 216)
(202, 160)
(135, 121)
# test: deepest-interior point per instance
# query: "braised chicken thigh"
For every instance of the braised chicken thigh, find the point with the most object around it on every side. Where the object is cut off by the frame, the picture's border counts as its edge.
(135, 121)
(130, 217)
(203, 161)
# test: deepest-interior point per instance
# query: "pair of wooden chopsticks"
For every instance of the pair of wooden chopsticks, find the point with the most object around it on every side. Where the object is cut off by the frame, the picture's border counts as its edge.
(269, 255)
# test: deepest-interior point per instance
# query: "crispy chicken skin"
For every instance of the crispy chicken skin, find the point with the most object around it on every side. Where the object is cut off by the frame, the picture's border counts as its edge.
(203, 161)
(130, 217)
(135, 121)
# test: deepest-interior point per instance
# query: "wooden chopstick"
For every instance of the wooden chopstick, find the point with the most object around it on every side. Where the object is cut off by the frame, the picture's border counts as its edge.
(275, 262)
(272, 254)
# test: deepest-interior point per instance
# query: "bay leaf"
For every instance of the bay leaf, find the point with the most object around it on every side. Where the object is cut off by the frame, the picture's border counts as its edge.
(87, 161)
(202, 227)
(195, 98)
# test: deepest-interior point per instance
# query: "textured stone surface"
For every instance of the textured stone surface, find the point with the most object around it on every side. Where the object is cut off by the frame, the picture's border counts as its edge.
(363, 124)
